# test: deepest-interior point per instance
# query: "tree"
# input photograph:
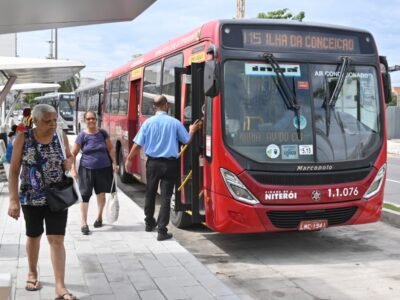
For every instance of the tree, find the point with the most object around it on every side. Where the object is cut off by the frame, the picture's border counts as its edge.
(281, 14)
(70, 84)
(136, 55)
(393, 102)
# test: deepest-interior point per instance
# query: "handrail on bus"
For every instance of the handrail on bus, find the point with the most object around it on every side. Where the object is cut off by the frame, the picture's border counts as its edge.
(183, 150)
(185, 181)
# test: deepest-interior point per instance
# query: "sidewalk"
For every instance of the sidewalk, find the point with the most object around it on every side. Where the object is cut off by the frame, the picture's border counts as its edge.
(119, 261)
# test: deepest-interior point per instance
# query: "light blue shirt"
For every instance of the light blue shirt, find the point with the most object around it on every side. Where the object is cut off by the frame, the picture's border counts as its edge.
(160, 134)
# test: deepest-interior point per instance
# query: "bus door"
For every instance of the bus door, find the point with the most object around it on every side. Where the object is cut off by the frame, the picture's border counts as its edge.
(188, 189)
(133, 126)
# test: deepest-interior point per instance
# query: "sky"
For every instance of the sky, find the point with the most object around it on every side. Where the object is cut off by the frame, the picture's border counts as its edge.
(105, 47)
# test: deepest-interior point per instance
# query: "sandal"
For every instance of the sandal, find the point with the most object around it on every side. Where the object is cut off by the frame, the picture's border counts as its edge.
(98, 223)
(68, 295)
(35, 283)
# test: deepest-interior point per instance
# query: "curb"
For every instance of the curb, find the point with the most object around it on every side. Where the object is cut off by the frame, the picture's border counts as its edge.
(391, 217)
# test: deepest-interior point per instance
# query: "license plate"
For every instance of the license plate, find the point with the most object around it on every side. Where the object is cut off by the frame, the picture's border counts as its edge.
(313, 224)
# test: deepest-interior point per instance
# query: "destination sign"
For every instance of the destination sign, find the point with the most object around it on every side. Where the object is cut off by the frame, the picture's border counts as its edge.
(297, 41)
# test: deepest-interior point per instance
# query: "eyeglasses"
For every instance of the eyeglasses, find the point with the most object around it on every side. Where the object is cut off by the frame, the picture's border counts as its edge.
(90, 119)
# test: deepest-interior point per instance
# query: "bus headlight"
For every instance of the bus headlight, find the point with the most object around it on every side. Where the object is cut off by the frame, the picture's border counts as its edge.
(237, 189)
(376, 185)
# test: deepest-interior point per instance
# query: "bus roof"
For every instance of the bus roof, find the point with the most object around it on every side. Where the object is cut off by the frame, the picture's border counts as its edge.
(49, 95)
(209, 29)
(92, 85)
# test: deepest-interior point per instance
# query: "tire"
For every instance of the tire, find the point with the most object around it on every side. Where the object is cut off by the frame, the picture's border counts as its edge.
(123, 175)
(179, 219)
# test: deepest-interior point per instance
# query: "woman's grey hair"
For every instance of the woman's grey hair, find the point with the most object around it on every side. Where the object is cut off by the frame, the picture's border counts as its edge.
(40, 109)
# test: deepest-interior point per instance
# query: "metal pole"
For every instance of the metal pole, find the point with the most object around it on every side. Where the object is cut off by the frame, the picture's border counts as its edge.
(56, 44)
(16, 45)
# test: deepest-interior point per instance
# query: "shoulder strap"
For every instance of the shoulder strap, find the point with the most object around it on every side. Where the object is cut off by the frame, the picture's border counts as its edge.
(103, 132)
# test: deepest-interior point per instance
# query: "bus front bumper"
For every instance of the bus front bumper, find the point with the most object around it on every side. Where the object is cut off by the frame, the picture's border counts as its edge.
(226, 215)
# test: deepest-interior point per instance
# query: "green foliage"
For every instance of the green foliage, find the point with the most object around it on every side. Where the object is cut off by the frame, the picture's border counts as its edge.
(393, 102)
(136, 55)
(281, 14)
(391, 207)
(69, 85)
(28, 98)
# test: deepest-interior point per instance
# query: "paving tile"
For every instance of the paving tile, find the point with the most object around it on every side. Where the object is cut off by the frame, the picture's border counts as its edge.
(118, 261)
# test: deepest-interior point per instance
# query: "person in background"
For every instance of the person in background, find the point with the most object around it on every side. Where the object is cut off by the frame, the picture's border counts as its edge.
(27, 118)
(11, 137)
(31, 196)
(160, 136)
(96, 167)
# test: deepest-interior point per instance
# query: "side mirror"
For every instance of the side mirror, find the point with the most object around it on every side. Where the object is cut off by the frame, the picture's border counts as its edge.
(387, 84)
(210, 78)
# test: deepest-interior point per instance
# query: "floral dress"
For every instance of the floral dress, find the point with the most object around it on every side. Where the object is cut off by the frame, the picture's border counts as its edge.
(32, 184)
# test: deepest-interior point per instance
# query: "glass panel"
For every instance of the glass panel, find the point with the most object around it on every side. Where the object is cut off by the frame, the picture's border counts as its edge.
(123, 96)
(66, 108)
(151, 87)
(114, 96)
(349, 128)
(168, 86)
(108, 97)
(257, 121)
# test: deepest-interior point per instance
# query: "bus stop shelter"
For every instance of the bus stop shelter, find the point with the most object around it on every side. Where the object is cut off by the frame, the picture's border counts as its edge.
(22, 15)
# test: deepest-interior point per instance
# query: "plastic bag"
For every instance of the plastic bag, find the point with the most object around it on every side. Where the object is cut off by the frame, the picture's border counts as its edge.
(112, 205)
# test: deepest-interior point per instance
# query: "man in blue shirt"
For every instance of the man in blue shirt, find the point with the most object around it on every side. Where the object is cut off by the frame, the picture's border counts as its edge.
(160, 136)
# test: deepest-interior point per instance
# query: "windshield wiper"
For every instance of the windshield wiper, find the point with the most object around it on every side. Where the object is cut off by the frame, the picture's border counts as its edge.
(288, 96)
(329, 104)
(340, 81)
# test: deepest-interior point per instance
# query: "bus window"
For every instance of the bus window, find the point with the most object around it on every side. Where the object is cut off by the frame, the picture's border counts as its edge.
(114, 96)
(151, 87)
(123, 95)
(168, 85)
(108, 97)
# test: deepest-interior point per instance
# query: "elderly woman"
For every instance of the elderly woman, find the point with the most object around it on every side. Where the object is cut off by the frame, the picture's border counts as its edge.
(31, 196)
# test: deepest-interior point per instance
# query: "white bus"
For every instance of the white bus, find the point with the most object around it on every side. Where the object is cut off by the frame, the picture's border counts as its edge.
(64, 103)
(88, 98)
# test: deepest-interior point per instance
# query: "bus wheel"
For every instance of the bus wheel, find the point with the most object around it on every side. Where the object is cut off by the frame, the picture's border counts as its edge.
(123, 175)
(179, 219)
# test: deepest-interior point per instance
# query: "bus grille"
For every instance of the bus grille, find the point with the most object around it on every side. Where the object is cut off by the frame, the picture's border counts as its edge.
(309, 178)
(291, 219)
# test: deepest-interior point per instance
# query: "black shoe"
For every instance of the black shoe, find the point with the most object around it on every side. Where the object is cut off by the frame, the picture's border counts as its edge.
(150, 227)
(162, 236)
(85, 230)
(98, 223)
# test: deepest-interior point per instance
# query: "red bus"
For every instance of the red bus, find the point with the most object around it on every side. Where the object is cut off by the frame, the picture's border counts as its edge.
(294, 134)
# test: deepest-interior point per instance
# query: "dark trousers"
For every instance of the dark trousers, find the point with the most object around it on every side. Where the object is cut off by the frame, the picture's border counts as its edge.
(165, 172)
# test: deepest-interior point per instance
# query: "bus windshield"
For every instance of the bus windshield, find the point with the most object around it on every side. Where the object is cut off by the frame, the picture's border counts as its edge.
(259, 125)
(66, 107)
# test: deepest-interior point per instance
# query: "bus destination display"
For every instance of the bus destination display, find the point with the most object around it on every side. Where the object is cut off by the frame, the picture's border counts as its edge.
(296, 41)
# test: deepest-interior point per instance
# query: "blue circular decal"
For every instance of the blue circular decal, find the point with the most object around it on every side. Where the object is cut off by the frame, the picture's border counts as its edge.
(303, 122)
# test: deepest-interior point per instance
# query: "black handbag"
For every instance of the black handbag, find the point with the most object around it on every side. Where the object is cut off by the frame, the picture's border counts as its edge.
(59, 195)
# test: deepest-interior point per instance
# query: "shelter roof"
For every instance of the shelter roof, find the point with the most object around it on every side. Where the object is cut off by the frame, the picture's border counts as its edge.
(27, 70)
(33, 87)
(22, 15)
